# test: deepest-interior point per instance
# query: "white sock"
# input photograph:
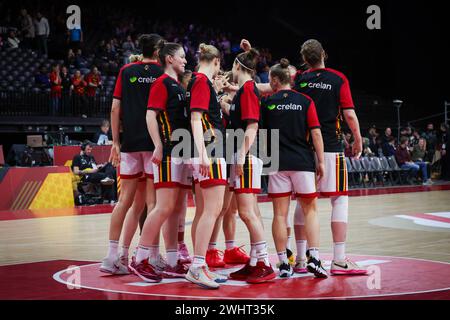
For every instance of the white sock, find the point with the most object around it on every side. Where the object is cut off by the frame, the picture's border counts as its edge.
(125, 252)
(212, 245)
(288, 244)
(153, 254)
(261, 252)
(314, 252)
(339, 251)
(172, 257)
(142, 254)
(282, 256)
(113, 252)
(229, 244)
(253, 256)
(198, 262)
(301, 249)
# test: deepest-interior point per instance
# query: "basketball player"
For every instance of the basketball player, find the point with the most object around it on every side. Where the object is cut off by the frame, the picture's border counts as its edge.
(133, 150)
(330, 91)
(209, 169)
(294, 115)
(166, 113)
(246, 170)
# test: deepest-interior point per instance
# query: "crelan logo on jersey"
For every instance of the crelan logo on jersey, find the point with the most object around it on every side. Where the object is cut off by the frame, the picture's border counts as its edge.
(142, 80)
(133, 79)
(318, 85)
(281, 107)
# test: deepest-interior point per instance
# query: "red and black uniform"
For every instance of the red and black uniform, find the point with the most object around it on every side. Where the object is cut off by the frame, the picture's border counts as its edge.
(330, 91)
(79, 86)
(55, 81)
(94, 79)
(132, 88)
(202, 97)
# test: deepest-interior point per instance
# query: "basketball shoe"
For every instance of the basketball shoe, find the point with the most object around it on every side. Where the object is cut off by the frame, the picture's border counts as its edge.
(286, 270)
(145, 271)
(237, 255)
(117, 267)
(214, 258)
(315, 266)
(346, 267)
(261, 273)
(201, 276)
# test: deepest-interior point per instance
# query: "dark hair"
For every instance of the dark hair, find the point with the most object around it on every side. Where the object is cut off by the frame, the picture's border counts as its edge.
(167, 49)
(149, 44)
(85, 145)
(248, 60)
(311, 52)
(105, 123)
(208, 52)
(404, 139)
(281, 71)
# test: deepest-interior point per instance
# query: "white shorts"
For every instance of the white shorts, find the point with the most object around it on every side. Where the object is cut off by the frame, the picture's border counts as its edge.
(335, 181)
(250, 181)
(172, 173)
(217, 173)
(284, 183)
(135, 164)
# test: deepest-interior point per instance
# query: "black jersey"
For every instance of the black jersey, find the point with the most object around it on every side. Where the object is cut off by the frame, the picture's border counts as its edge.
(294, 115)
(132, 88)
(168, 97)
(202, 97)
(245, 108)
(331, 94)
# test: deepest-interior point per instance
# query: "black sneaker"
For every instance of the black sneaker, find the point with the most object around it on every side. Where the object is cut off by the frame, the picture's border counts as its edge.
(286, 270)
(307, 255)
(315, 266)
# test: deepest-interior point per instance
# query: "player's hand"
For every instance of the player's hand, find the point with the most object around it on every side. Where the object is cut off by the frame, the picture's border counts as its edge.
(357, 149)
(239, 170)
(114, 156)
(320, 171)
(157, 155)
(245, 45)
(205, 164)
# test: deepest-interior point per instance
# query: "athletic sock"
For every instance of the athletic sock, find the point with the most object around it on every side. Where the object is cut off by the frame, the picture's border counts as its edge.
(172, 257)
(282, 256)
(212, 245)
(339, 251)
(125, 252)
(153, 254)
(288, 244)
(301, 249)
(314, 252)
(113, 253)
(253, 256)
(229, 244)
(199, 261)
(261, 252)
(142, 254)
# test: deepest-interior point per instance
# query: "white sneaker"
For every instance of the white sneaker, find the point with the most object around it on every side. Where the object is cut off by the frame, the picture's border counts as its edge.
(200, 276)
(346, 267)
(118, 267)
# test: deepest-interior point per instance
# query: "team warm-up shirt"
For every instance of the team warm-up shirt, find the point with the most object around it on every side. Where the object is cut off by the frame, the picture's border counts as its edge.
(168, 97)
(331, 94)
(245, 109)
(132, 88)
(294, 115)
(202, 97)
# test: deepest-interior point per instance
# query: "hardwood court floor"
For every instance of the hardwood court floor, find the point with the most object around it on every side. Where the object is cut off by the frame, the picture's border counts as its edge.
(85, 237)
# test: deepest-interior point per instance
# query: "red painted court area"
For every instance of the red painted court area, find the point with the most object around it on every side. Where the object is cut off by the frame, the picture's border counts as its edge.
(389, 278)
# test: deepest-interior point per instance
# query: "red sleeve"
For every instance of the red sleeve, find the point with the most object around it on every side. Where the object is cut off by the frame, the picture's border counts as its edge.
(311, 117)
(345, 96)
(249, 104)
(157, 99)
(200, 96)
(118, 89)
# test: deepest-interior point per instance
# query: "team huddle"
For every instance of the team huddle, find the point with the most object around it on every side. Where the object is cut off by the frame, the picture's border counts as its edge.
(155, 97)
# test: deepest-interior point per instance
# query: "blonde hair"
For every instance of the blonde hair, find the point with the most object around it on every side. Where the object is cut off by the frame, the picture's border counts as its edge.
(208, 52)
(136, 57)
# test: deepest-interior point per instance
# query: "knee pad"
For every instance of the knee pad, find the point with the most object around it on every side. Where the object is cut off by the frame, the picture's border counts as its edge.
(299, 216)
(339, 212)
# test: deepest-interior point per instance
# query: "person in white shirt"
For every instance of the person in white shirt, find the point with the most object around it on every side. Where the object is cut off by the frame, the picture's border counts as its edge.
(13, 41)
(42, 33)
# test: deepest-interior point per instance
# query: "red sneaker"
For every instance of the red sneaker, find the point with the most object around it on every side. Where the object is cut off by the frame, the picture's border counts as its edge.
(237, 255)
(179, 271)
(214, 258)
(261, 273)
(242, 274)
(144, 271)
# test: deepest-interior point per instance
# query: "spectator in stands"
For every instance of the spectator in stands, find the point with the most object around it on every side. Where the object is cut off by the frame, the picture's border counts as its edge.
(55, 90)
(419, 157)
(27, 29)
(414, 140)
(264, 73)
(80, 61)
(373, 135)
(348, 143)
(367, 152)
(403, 158)
(85, 166)
(65, 89)
(42, 33)
(387, 134)
(103, 136)
(185, 78)
(42, 79)
(431, 137)
(71, 59)
(13, 41)
(127, 49)
(389, 147)
(445, 156)
(75, 37)
(79, 98)
(94, 82)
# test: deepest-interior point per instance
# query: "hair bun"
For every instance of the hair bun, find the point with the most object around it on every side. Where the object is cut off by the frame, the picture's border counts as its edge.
(284, 63)
(253, 54)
